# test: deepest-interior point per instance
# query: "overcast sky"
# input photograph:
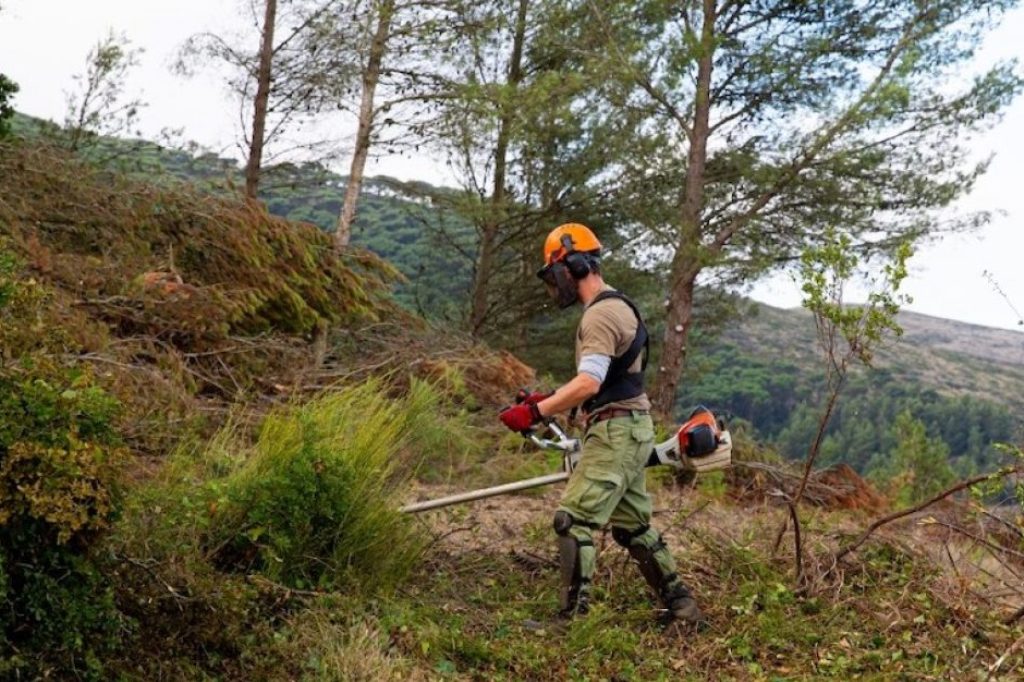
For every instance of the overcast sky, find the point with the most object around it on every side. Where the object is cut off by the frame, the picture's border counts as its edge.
(43, 43)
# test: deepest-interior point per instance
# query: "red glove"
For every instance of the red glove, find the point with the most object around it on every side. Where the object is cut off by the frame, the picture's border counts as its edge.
(520, 417)
(531, 398)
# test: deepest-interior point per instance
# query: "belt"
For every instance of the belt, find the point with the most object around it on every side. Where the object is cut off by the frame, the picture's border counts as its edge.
(612, 414)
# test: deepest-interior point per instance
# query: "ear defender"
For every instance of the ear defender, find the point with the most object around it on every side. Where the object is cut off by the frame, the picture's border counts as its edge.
(579, 263)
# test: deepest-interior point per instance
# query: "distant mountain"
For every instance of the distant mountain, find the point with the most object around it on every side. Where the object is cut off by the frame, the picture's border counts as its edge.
(986, 343)
(951, 357)
(964, 381)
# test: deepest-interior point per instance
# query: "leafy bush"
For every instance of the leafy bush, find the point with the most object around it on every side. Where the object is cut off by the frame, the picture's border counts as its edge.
(59, 463)
(314, 503)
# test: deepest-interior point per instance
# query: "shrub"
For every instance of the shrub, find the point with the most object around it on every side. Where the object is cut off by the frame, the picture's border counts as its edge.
(59, 463)
(56, 498)
(314, 504)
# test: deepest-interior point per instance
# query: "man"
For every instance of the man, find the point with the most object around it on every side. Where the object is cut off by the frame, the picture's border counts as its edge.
(609, 482)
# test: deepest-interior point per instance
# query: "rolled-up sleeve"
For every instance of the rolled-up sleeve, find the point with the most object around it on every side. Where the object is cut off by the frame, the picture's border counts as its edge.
(595, 365)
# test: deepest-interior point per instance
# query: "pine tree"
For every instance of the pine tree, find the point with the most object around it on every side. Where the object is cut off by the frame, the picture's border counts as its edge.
(775, 118)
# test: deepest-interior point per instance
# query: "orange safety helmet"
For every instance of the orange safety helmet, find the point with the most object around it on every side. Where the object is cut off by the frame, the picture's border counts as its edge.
(568, 238)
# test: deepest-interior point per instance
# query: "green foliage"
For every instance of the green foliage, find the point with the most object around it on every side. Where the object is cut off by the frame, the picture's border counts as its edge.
(59, 468)
(861, 427)
(825, 271)
(60, 411)
(314, 503)
(20, 300)
(98, 105)
(917, 468)
(8, 89)
(422, 240)
(762, 390)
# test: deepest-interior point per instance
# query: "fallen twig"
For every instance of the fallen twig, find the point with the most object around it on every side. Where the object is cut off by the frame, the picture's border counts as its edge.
(178, 596)
(1003, 522)
(977, 538)
(533, 560)
(453, 531)
(288, 591)
(799, 545)
(687, 517)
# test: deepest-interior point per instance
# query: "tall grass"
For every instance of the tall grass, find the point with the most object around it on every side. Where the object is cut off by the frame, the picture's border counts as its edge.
(314, 504)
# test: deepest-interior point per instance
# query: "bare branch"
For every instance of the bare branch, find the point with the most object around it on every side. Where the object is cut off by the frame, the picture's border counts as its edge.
(853, 546)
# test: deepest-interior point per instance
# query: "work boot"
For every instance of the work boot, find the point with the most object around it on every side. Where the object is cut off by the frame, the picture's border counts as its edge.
(575, 601)
(658, 568)
(681, 606)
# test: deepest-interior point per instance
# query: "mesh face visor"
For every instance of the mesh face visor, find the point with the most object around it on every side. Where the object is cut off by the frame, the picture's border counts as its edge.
(560, 283)
(547, 276)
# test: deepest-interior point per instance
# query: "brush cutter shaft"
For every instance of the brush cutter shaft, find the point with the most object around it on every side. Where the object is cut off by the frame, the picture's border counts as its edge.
(669, 452)
(485, 492)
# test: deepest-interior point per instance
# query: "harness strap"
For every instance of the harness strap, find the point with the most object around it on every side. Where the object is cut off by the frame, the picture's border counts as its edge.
(619, 383)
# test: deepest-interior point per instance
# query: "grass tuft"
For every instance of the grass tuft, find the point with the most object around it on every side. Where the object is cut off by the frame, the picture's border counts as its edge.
(314, 504)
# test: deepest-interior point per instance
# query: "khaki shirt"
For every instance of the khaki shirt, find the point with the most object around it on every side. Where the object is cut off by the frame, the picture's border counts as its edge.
(608, 328)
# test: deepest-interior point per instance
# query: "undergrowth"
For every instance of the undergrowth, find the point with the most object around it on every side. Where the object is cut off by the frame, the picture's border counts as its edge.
(60, 469)
(314, 504)
(212, 550)
(488, 615)
(183, 303)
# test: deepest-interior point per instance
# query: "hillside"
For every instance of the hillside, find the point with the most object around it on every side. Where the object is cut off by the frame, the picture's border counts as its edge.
(150, 336)
(997, 345)
(767, 369)
(209, 423)
(951, 357)
(401, 230)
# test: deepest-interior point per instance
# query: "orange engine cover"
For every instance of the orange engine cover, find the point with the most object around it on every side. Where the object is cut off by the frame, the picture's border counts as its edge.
(699, 435)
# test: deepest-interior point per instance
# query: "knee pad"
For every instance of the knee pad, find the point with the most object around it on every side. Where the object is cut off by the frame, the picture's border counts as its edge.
(563, 522)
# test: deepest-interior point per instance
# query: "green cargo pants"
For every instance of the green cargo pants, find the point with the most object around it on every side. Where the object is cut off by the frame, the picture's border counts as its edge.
(609, 485)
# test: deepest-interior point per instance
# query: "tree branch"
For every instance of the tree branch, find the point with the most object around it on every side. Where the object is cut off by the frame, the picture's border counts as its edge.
(810, 154)
(878, 523)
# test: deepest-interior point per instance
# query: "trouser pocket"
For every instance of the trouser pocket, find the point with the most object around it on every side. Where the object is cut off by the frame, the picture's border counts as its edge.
(600, 493)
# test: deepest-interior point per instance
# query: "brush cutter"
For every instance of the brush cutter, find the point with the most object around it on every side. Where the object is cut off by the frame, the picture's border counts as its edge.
(701, 444)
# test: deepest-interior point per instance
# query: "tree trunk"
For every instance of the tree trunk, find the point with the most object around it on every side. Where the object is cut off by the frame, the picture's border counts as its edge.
(259, 118)
(492, 224)
(677, 331)
(481, 275)
(687, 264)
(371, 76)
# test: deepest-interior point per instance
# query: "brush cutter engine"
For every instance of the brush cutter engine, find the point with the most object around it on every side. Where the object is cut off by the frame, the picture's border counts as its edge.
(702, 444)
